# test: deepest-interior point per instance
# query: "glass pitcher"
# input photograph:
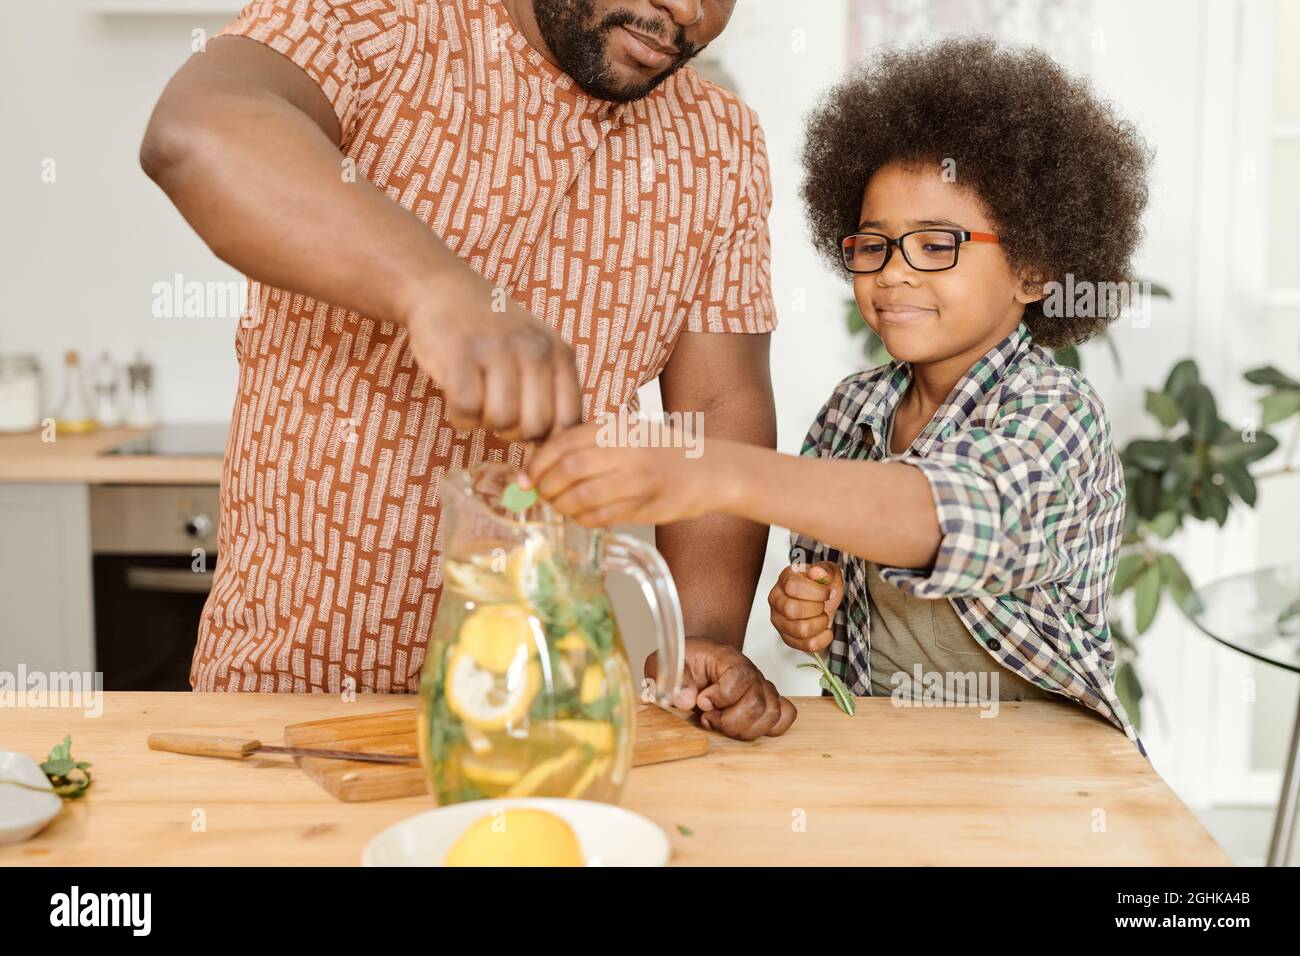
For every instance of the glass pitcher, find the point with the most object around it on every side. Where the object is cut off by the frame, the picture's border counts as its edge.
(526, 689)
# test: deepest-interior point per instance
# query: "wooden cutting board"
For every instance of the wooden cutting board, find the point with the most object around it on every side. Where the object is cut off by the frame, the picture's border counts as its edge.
(660, 736)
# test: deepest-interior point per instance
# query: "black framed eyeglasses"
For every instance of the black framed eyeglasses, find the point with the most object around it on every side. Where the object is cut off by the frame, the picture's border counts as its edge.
(925, 250)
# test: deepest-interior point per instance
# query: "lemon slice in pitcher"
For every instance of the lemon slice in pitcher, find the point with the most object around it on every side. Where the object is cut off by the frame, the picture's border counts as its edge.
(597, 734)
(484, 772)
(488, 700)
(476, 580)
(495, 635)
(522, 567)
(593, 684)
(545, 775)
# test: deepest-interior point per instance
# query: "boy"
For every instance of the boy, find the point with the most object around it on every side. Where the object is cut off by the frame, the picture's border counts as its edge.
(959, 509)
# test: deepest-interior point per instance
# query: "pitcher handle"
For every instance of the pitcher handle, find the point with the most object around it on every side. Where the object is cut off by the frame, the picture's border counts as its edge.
(645, 565)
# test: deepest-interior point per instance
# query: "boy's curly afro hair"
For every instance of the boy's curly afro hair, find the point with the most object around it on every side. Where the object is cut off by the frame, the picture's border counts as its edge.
(1063, 178)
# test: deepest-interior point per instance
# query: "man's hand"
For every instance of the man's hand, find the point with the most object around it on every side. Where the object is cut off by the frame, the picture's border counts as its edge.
(730, 693)
(803, 608)
(499, 367)
(601, 486)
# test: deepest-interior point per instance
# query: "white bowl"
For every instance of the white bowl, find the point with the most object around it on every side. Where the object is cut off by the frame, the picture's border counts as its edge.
(24, 813)
(609, 835)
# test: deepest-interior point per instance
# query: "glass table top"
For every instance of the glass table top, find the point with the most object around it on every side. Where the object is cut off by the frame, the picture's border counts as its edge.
(1256, 613)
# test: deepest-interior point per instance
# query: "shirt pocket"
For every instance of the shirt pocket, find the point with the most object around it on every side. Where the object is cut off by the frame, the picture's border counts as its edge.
(948, 639)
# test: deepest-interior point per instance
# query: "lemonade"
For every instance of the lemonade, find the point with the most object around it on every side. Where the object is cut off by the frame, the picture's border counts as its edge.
(526, 689)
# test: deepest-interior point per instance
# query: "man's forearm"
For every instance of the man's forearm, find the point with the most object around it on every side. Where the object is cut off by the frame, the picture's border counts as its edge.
(717, 559)
(265, 187)
(881, 511)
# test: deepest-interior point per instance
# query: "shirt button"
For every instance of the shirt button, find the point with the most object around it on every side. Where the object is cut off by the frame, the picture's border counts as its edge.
(994, 644)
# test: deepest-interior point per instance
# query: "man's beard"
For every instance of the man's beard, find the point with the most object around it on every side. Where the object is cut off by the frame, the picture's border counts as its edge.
(579, 46)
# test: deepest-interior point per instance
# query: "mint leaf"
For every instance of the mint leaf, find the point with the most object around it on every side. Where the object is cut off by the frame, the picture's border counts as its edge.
(69, 777)
(829, 681)
(518, 499)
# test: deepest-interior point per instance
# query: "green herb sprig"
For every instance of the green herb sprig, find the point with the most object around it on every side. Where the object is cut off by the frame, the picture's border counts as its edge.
(518, 499)
(70, 777)
(829, 680)
(67, 776)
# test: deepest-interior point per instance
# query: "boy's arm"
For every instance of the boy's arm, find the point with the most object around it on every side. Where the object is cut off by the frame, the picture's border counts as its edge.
(988, 511)
(881, 511)
(840, 502)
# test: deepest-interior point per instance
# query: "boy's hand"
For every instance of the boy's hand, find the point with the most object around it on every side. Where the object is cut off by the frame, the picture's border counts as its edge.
(730, 692)
(599, 485)
(803, 609)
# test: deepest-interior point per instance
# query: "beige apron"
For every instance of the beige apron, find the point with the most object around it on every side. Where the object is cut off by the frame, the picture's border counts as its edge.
(907, 631)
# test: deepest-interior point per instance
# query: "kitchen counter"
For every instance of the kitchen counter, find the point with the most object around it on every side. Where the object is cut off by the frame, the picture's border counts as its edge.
(1043, 782)
(80, 459)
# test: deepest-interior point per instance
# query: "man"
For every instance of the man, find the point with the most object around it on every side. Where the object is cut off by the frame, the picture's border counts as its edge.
(467, 225)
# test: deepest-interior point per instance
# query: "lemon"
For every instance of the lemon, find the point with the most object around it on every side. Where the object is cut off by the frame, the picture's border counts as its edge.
(483, 698)
(490, 773)
(537, 777)
(479, 742)
(598, 734)
(593, 684)
(594, 770)
(522, 565)
(571, 643)
(494, 635)
(476, 581)
(517, 837)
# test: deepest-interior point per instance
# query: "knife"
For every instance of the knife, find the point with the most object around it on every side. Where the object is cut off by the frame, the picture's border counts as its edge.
(237, 748)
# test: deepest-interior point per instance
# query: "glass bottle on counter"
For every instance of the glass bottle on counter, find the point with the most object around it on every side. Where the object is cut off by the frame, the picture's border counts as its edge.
(75, 412)
(105, 382)
(139, 394)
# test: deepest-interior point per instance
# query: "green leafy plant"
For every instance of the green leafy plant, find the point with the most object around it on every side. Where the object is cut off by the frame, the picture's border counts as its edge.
(1198, 468)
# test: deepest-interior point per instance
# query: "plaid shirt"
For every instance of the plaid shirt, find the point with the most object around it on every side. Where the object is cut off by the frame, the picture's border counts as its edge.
(1030, 497)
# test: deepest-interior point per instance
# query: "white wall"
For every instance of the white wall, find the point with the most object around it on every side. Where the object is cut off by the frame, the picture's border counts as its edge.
(79, 258)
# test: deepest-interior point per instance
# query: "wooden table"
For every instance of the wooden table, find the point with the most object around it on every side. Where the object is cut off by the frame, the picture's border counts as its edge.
(1043, 782)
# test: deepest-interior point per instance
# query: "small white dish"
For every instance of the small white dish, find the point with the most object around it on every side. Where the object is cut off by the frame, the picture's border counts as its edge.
(23, 812)
(609, 835)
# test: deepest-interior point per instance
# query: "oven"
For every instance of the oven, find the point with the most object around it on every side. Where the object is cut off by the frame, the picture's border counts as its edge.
(154, 551)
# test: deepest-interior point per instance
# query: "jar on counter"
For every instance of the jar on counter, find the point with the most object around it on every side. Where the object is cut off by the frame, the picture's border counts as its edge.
(20, 393)
(104, 382)
(139, 394)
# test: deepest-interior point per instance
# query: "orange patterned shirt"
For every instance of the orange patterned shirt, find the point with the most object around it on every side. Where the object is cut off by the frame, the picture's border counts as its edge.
(619, 225)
